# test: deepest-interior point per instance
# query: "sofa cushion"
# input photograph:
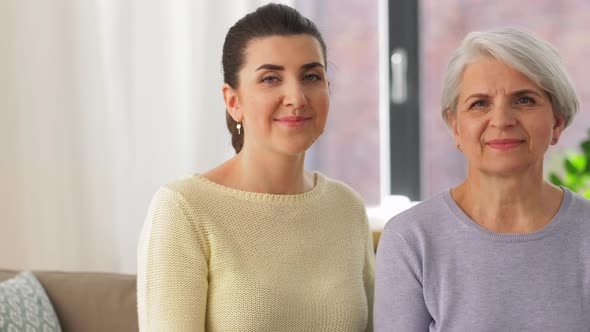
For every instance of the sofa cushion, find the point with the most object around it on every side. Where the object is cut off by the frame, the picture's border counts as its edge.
(24, 305)
(90, 301)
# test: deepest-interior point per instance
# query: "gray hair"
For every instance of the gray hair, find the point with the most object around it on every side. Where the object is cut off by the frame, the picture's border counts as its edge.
(524, 52)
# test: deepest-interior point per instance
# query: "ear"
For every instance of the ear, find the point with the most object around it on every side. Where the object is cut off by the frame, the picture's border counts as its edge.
(230, 97)
(453, 121)
(558, 127)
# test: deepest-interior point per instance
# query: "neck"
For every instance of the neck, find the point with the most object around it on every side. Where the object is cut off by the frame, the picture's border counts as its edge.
(269, 174)
(522, 203)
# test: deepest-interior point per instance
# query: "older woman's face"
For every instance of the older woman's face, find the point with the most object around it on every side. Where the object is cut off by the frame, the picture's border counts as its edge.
(504, 122)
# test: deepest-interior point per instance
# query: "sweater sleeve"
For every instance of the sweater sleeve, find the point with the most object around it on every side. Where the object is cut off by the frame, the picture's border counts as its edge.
(399, 298)
(172, 268)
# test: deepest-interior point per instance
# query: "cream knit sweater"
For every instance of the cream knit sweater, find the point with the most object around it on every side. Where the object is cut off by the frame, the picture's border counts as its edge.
(212, 258)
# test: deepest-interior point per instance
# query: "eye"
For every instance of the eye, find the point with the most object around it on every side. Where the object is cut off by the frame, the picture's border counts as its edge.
(525, 100)
(269, 79)
(312, 77)
(479, 104)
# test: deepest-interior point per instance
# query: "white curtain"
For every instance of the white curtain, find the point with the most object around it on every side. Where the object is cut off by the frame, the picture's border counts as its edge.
(100, 103)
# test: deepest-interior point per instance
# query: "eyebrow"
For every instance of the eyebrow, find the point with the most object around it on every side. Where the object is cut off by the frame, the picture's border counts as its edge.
(526, 92)
(312, 65)
(516, 93)
(475, 95)
(277, 67)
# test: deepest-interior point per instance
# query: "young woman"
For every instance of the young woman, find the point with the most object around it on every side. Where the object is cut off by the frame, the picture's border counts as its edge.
(259, 243)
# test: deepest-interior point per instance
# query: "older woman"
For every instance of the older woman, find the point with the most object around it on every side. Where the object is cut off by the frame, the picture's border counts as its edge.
(504, 250)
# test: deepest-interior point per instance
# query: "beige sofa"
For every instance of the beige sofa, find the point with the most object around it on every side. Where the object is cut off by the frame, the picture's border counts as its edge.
(89, 301)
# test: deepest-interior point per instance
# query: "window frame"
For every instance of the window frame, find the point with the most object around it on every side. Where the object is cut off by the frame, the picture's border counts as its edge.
(400, 121)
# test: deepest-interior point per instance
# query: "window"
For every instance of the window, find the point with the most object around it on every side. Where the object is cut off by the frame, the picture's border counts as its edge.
(421, 158)
(349, 148)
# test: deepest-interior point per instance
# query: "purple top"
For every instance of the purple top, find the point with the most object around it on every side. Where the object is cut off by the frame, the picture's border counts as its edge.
(438, 270)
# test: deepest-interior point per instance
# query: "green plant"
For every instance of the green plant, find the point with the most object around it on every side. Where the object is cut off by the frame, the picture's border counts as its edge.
(576, 173)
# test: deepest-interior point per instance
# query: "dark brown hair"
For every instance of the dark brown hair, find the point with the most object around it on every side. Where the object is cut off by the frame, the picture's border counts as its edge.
(268, 20)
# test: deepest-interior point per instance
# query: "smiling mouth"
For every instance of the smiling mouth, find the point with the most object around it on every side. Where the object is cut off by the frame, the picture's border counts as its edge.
(504, 144)
(293, 121)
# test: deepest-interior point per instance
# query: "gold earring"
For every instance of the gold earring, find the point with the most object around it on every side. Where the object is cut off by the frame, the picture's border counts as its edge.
(459, 147)
(554, 140)
(238, 127)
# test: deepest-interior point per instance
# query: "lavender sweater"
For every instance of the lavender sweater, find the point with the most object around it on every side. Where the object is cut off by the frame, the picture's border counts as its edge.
(437, 270)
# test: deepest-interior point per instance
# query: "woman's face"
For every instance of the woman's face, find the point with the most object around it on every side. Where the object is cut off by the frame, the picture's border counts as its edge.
(504, 122)
(283, 94)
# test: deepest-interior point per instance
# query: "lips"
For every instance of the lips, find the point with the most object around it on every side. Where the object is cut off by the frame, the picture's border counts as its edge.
(293, 121)
(504, 144)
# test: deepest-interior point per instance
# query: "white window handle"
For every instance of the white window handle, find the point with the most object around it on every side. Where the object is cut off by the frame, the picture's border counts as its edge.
(399, 72)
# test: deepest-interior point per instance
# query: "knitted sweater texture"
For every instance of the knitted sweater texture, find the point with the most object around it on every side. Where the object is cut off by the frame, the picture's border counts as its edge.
(213, 258)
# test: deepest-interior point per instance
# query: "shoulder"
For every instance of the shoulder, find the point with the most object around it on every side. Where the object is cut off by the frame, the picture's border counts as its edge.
(579, 208)
(338, 201)
(187, 186)
(180, 208)
(425, 219)
(185, 194)
(421, 214)
(579, 202)
(338, 189)
(340, 196)
(171, 218)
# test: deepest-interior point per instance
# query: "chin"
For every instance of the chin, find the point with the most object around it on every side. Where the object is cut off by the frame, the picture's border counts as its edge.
(507, 170)
(294, 147)
(294, 151)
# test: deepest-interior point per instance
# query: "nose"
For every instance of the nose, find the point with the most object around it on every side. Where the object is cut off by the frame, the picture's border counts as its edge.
(294, 95)
(503, 116)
